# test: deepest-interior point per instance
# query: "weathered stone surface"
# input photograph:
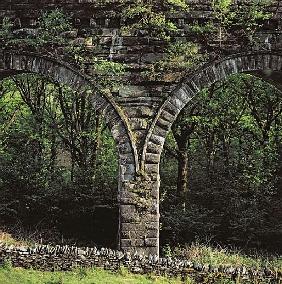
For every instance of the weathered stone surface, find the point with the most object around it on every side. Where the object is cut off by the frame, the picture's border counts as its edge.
(65, 257)
(152, 242)
(153, 146)
(132, 242)
(153, 158)
(141, 112)
(136, 234)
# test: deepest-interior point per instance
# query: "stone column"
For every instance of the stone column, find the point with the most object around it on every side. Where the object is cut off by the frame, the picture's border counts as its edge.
(139, 213)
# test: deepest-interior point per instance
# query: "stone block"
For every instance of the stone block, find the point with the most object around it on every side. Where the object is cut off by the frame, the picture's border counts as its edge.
(133, 218)
(140, 227)
(152, 242)
(125, 148)
(164, 124)
(152, 158)
(134, 40)
(139, 234)
(119, 133)
(153, 147)
(139, 112)
(108, 32)
(132, 242)
(151, 57)
(127, 177)
(138, 123)
(160, 131)
(126, 209)
(129, 169)
(171, 108)
(152, 168)
(167, 116)
(211, 73)
(157, 140)
(131, 234)
(126, 198)
(126, 159)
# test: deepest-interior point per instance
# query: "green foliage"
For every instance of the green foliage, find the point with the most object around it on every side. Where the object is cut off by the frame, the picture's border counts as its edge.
(178, 58)
(197, 252)
(222, 11)
(152, 16)
(108, 73)
(218, 255)
(58, 160)
(241, 19)
(206, 29)
(181, 56)
(52, 26)
(7, 265)
(50, 33)
(55, 155)
(232, 136)
(6, 29)
(53, 36)
(251, 16)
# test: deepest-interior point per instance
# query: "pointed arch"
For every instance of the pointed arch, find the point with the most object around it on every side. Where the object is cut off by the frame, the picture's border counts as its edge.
(264, 64)
(57, 71)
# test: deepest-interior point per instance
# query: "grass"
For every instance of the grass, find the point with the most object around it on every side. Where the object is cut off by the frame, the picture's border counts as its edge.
(8, 239)
(10, 275)
(197, 252)
(202, 253)
(222, 256)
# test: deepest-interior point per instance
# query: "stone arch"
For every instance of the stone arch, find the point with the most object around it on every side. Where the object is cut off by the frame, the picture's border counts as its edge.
(265, 64)
(13, 63)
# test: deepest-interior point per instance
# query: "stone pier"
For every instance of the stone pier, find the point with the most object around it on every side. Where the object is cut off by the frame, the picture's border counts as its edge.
(141, 112)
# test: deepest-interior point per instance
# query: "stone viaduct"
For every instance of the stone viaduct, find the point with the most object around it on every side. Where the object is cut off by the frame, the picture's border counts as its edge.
(141, 113)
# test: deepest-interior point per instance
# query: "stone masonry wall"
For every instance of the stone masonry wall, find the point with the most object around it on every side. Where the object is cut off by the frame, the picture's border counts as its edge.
(145, 109)
(98, 24)
(64, 258)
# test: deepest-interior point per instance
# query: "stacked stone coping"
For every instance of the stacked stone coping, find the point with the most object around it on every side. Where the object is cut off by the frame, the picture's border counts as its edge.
(66, 257)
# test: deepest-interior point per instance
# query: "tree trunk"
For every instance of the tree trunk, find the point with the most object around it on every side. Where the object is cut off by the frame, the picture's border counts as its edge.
(183, 172)
(53, 156)
(279, 171)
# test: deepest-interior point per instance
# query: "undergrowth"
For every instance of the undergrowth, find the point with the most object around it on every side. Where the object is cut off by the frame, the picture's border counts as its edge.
(202, 253)
(205, 253)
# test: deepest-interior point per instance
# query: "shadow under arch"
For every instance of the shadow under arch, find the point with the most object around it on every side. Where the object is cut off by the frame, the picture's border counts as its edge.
(13, 63)
(266, 65)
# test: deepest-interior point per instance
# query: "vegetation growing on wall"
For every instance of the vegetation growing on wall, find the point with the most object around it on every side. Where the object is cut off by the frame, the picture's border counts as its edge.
(229, 18)
(58, 161)
(151, 17)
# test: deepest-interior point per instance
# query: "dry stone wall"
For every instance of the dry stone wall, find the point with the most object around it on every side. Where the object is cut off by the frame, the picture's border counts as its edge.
(50, 258)
(141, 112)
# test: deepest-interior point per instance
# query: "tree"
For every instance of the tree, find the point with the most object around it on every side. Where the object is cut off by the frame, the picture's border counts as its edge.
(234, 135)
